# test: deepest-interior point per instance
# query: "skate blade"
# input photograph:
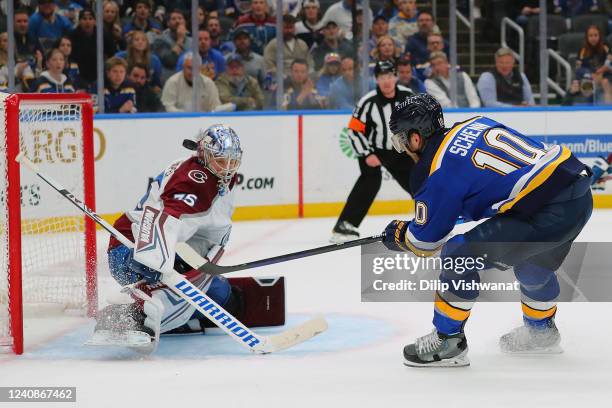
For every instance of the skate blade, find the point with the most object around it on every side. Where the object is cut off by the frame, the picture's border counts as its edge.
(341, 238)
(557, 349)
(130, 338)
(461, 360)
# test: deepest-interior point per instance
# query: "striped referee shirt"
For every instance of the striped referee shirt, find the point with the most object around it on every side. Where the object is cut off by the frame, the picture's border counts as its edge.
(369, 126)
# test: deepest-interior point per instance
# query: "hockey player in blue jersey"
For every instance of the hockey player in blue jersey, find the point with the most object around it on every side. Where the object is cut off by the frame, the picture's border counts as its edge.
(535, 199)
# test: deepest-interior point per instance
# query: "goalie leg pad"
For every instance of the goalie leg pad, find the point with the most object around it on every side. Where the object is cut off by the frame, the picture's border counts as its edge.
(263, 300)
(256, 302)
(177, 312)
(219, 290)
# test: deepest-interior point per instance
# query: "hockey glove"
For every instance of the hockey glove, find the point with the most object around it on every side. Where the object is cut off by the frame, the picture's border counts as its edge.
(395, 236)
(600, 168)
(601, 173)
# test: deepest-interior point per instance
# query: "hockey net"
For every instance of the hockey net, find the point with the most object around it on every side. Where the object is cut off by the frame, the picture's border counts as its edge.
(56, 244)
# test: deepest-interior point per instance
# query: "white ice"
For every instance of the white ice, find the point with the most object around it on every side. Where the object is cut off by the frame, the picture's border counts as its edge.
(357, 362)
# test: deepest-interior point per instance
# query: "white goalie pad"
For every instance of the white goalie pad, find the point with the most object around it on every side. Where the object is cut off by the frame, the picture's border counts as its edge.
(153, 310)
(156, 239)
(176, 312)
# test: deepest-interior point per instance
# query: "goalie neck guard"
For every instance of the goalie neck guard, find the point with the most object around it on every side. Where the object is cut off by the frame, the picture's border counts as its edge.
(218, 149)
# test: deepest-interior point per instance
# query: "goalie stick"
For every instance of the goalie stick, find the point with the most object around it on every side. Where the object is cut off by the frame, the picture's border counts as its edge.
(193, 295)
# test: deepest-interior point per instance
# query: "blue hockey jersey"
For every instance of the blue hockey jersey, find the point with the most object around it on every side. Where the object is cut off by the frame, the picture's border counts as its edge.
(480, 168)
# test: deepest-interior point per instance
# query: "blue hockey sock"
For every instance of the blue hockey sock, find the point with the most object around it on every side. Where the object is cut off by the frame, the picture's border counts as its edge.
(450, 317)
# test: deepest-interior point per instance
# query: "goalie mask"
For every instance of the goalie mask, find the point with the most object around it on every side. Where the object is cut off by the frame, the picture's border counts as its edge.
(218, 149)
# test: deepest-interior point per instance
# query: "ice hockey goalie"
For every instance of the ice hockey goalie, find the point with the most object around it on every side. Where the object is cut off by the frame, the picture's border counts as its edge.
(190, 201)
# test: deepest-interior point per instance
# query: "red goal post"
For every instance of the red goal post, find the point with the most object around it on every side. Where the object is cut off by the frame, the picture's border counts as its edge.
(47, 249)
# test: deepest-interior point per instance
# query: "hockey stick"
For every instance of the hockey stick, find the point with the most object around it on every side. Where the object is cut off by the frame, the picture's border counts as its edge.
(193, 295)
(201, 264)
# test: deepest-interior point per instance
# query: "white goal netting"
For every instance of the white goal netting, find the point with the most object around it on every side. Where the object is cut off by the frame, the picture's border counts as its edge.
(52, 230)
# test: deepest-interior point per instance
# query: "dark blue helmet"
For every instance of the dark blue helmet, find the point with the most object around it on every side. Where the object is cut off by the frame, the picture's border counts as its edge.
(421, 113)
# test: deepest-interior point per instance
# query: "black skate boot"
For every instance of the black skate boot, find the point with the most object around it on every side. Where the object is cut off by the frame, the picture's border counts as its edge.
(344, 231)
(437, 350)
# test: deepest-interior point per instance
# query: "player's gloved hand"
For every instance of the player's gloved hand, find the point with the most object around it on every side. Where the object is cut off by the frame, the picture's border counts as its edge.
(144, 272)
(600, 169)
(395, 236)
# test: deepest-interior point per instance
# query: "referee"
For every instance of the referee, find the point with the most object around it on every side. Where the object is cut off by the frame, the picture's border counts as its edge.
(371, 140)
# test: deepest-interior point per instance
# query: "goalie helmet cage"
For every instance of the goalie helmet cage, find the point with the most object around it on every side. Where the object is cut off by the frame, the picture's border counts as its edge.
(47, 247)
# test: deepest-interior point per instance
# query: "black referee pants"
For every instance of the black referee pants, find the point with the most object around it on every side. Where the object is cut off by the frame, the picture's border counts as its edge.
(364, 192)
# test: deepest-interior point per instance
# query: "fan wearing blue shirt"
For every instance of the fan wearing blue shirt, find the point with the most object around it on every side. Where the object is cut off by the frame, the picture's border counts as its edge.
(48, 26)
(213, 62)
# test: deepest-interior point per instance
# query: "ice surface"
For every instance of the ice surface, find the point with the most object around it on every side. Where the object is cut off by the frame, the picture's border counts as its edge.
(357, 362)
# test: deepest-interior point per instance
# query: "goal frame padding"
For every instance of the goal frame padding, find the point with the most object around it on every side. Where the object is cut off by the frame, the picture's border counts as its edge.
(12, 106)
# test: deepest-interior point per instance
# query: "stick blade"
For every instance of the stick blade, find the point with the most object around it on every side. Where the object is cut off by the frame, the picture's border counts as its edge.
(189, 255)
(295, 335)
(196, 261)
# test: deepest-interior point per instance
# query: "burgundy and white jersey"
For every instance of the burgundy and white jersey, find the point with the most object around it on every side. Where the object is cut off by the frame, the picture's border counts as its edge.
(188, 191)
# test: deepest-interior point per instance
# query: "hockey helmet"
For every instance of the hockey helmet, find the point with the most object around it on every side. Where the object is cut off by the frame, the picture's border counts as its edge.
(418, 113)
(384, 67)
(218, 149)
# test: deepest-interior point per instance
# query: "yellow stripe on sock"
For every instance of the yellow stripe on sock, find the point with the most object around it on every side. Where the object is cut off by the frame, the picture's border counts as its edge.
(538, 314)
(451, 311)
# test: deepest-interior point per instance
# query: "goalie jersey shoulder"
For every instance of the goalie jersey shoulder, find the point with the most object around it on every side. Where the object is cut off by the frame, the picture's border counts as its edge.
(188, 191)
(187, 187)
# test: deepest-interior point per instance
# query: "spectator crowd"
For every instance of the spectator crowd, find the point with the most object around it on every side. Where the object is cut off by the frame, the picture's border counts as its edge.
(148, 58)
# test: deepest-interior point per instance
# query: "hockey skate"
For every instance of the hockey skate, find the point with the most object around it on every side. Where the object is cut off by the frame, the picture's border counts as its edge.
(437, 350)
(123, 326)
(133, 325)
(344, 231)
(532, 340)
